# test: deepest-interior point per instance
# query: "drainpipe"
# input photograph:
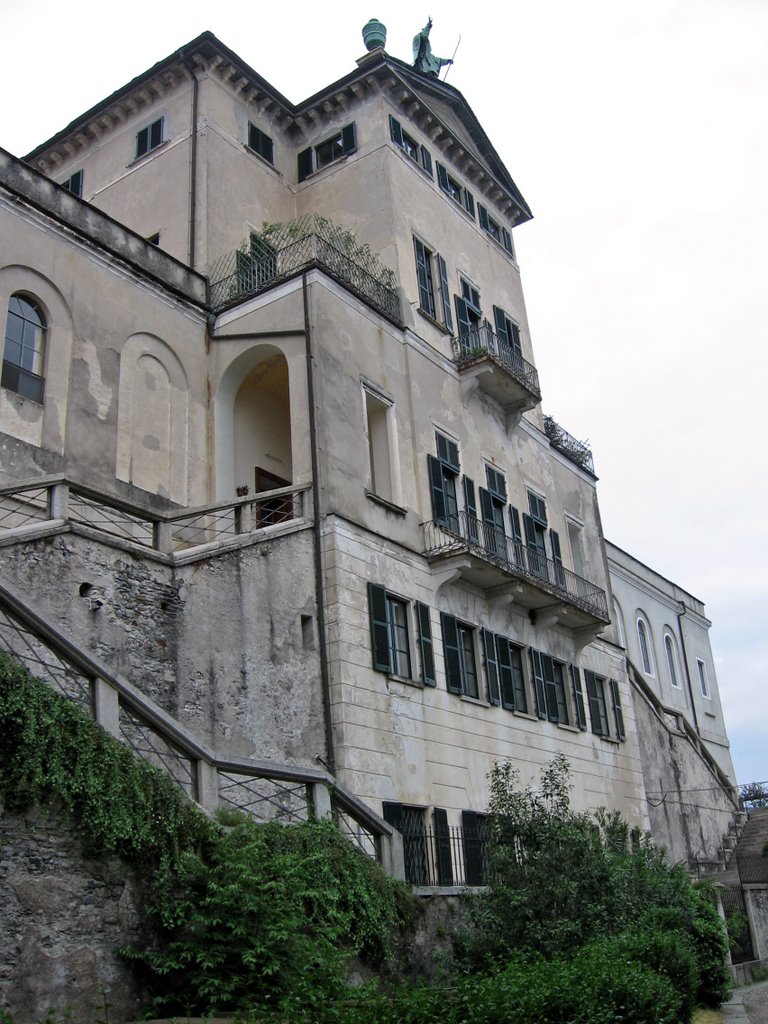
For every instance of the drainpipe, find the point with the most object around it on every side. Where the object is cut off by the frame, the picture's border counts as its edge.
(680, 615)
(325, 676)
(192, 161)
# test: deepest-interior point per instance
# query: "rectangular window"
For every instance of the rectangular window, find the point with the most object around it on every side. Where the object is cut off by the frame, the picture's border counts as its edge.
(493, 500)
(448, 184)
(426, 647)
(535, 525)
(426, 160)
(260, 143)
(378, 414)
(508, 338)
(410, 822)
(703, 681)
(149, 138)
(504, 668)
(469, 316)
(74, 184)
(443, 474)
(598, 712)
(549, 681)
(337, 146)
(402, 139)
(389, 632)
(459, 652)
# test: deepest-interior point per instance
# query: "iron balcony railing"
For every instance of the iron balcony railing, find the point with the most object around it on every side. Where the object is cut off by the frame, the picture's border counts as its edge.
(481, 341)
(239, 273)
(462, 532)
(577, 451)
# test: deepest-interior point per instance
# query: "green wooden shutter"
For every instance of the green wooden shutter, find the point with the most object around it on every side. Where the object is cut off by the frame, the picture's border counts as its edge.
(550, 689)
(377, 610)
(470, 508)
(506, 241)
(594, 702)
(538, 682)
(442, 847)
(426, 160)
(305, 163)
(506, 673)
(500, 320)
(396, 131)
(469, 203)
(617, 712)
(451, 653)
(444, 294)
(348, 139)
(491, 666)
(437, 488)
(462, 317)
(473, 825)
(426, 646)
(442, 178)
(483, 215)
(578, 698)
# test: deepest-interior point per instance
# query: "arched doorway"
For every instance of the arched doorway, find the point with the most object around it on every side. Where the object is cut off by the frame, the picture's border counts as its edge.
(254, 424)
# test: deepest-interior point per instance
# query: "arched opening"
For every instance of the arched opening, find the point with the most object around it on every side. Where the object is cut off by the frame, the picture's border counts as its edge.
(254, 424)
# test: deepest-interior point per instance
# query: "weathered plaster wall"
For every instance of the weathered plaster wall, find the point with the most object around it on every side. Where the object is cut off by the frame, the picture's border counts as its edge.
(689, 811)
(218, 643)
(63, 919)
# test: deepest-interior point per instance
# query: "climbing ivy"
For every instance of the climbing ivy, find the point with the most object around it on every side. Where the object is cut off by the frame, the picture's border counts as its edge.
(53, 752)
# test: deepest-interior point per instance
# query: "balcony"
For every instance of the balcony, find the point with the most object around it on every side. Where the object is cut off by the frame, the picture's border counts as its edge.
(578, 452)
(285, 250)
(487, 558)
(488, 362)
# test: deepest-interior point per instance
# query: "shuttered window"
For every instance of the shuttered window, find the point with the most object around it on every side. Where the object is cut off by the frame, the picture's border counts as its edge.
(337, 146)
(390, 644)
(598, 714)
(459, 653)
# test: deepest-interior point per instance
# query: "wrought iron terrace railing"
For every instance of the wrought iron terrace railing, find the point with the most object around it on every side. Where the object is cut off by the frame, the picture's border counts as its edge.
(239, 273)
(577, 451)
(462, 532)
(482, 341)
(55, 500)
(451, 856)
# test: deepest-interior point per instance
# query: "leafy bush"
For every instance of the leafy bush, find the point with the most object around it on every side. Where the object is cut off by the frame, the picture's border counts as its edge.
(270, 915)
(560, 879)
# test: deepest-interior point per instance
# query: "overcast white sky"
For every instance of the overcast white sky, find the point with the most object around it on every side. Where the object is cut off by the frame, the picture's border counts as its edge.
(638, 134)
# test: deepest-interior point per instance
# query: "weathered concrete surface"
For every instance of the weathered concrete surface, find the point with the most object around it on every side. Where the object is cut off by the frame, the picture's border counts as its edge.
(63, 919)
(227, 645)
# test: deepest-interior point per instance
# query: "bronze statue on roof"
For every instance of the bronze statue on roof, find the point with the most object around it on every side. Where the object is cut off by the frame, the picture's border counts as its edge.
(423, 58)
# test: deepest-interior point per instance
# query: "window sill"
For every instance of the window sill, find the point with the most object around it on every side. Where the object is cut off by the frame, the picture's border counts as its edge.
(388, 505)
(150, 152)
(415, 683)
(524, 714)
(567, 727)
(473, 700)
(261, 159)
(325, 167)
(435, 323)
(709, 714)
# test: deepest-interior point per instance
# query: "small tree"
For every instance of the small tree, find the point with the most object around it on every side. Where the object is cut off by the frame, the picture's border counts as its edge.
(754, 794)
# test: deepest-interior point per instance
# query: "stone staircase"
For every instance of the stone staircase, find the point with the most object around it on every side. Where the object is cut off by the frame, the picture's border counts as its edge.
(751, 861)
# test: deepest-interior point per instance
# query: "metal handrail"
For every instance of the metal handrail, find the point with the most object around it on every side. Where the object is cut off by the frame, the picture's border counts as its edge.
(239, 273)
(461, 531)
(483, 341)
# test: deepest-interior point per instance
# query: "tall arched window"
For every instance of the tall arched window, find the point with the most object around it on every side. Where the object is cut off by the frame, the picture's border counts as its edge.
(24, 353)
(672, 662)
(645, 647)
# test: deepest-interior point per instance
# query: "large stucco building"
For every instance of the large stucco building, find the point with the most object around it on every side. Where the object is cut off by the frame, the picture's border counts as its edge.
(426, 590)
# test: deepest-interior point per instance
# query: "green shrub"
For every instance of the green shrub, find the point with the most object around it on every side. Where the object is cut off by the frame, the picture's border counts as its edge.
(270, 915)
